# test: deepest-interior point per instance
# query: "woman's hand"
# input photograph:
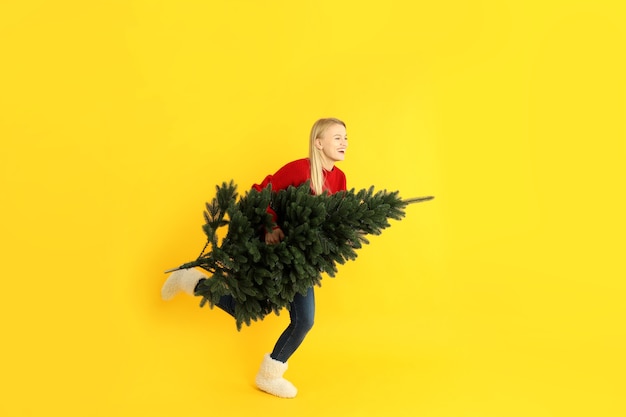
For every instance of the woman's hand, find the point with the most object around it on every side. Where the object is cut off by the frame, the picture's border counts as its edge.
(274, 237)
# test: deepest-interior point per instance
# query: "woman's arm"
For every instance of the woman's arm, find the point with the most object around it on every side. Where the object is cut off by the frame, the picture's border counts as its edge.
(294, 173)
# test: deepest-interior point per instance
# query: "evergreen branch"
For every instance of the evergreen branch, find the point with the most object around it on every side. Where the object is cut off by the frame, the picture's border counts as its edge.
(418, 199)
(321, 232)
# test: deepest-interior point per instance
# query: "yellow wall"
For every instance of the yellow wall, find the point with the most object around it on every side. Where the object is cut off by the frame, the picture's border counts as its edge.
(502, 297)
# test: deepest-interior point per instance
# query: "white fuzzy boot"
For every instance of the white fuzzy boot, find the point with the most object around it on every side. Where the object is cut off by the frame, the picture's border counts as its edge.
(184, 280)
(270, 378)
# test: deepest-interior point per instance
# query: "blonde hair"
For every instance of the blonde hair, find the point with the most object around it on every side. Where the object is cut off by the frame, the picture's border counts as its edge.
(315, 157)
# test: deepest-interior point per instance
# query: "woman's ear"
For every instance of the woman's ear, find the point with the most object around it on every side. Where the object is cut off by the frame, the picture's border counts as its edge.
(318, 144)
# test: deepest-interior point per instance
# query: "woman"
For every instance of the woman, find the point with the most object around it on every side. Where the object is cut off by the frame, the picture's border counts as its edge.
(327, 145)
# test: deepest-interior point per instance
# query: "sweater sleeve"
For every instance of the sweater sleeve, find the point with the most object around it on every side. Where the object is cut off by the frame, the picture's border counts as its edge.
(294, 173)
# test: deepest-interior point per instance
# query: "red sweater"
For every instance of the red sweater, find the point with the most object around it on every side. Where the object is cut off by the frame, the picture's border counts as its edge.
(298, 172)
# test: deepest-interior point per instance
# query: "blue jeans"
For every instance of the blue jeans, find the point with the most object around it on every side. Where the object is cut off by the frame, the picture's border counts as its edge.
(301, 313)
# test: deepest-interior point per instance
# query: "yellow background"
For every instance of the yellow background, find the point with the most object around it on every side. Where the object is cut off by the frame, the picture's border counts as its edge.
(502, 297)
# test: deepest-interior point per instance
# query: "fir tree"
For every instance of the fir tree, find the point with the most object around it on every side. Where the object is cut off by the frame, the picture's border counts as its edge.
(320, 233)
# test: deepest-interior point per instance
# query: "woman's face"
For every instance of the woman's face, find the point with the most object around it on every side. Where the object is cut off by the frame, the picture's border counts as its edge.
(332, 145)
